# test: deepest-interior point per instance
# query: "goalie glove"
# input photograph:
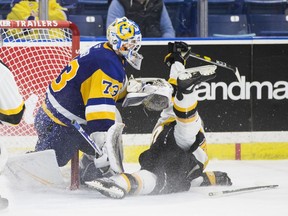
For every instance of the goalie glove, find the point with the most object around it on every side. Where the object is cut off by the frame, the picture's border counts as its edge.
(153, 93)
(176, 52)
(215, 178)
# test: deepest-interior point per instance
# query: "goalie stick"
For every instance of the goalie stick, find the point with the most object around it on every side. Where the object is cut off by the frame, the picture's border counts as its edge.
(212, 61)
(242, 190)
(87, 137)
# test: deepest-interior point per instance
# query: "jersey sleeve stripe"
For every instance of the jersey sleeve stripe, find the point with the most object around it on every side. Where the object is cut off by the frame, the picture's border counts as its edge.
(100, 116)
(100, 108)
(62, 110)
(95, 101)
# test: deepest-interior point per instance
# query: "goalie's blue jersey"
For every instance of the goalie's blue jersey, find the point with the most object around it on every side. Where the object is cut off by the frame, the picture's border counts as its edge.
(87, 90)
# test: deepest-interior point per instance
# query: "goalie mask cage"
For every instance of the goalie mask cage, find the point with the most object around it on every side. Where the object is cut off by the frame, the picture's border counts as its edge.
(36, 52)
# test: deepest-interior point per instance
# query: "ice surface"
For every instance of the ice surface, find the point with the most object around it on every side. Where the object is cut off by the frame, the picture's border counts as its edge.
(28, 200)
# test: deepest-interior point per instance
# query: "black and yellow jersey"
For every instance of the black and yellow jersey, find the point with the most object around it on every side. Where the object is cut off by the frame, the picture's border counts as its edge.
(87, 89)
(12, 105)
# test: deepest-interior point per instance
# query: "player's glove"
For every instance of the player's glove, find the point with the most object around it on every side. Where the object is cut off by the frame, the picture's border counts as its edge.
(175, 53)
(215, 178)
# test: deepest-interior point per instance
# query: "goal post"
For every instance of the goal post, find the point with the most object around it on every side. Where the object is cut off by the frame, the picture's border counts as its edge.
(36, 52)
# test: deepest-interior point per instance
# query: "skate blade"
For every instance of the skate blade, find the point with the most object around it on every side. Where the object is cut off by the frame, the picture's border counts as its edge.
(112, 192)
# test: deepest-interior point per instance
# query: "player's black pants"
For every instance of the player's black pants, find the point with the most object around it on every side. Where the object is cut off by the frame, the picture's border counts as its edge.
(170, 163)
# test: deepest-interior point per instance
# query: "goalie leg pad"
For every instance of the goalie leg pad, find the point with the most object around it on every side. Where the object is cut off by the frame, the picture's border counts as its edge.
(114, 147)
(35, 169)
(3, 157)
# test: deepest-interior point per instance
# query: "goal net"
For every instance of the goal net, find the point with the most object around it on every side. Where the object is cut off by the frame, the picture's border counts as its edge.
(35, 52)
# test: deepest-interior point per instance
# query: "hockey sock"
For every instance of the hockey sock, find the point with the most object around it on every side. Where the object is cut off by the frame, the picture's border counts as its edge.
(188, 120)
(141, 182)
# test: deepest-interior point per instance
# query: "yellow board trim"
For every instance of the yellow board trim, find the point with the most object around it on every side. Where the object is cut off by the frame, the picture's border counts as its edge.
(131, 153)
(219, 151)
(249, 151)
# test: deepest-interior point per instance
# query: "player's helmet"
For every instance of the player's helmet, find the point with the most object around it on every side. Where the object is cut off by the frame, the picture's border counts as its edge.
(125, 37)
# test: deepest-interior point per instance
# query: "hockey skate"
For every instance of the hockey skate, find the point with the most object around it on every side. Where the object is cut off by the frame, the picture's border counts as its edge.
(107, 187)
(191, 77)
(220, 178)
(88, 170)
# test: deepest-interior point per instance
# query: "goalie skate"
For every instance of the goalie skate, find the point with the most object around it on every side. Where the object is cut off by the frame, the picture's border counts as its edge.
(107, 187)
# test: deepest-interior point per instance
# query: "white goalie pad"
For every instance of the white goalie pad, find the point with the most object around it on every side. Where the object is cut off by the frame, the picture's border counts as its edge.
(154, 93)
(114, 147)
(3, 157)
(35, 169)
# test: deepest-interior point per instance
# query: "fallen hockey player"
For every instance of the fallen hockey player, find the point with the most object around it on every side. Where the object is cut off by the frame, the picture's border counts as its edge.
(178, 155)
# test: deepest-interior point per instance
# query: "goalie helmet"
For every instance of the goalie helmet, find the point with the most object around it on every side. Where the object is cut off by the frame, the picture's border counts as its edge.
(125, 37)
